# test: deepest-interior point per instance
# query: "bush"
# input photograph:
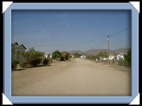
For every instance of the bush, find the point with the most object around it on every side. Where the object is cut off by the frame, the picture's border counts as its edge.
(91, 57)
(121, 62)
(61, 58)
(127, 58)
(14, 64)
(76, 55)
(23, 64)
(35, 62)
(126, 64)
(103, 54)
(32, 55)
(70, 56)
(45, 61)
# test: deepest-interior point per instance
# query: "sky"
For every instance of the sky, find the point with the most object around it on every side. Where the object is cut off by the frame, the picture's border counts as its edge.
(66, 30)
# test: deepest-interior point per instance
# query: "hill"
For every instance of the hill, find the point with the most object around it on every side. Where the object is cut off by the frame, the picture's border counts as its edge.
(96, 51)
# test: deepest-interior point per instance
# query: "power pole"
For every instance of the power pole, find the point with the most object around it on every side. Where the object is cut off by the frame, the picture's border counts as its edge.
(108, 44)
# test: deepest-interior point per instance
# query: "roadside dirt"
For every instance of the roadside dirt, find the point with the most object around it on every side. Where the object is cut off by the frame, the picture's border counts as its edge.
(75, 77)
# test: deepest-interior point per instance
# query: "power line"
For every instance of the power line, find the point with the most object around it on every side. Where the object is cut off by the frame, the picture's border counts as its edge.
(101, 43)
(101, 37)
(89, 40)
(119, 31)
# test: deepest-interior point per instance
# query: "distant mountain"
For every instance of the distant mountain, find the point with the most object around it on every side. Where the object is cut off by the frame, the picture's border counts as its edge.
(76, 51)
(121, 50)
(96, 51)
(93, 51)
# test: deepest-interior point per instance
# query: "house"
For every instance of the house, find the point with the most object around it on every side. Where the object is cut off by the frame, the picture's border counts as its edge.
(103, 59)
(72, 56)
(48, 56)
(120, 56)
(45, 55)
(16, 49)
(111, 57)
(83, 56)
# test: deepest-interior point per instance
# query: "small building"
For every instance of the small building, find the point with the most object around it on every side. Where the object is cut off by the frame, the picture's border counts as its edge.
(72, 56)
(83, 56)
(111, 57)
(120, 56)
(16, 49)
(20, 48)
(104, 58)
(45, 55)
(48, 55)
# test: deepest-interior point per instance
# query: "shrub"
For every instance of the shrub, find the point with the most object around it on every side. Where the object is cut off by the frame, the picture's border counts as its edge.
(127, 58)
(14, 64)
(45, 61)
(77, 55)
(35, 62)
(91, 57)
(121, 62)
(70, 56)
(23, 64)
(103, 54)
(32, 55)
(126, 64)
(61, 58)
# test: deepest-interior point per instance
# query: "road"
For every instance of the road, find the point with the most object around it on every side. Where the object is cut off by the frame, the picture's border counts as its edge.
(75, 77)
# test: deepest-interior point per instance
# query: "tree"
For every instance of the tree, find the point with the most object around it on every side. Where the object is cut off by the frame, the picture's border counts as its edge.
(77, 55)
(64, 55)
(127, 57)
(33, 57)
(103, 54)
(14, 62)
(56, 54)
(31, 49)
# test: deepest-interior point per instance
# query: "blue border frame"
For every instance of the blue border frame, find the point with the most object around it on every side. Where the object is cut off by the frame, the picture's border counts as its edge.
(71, 99)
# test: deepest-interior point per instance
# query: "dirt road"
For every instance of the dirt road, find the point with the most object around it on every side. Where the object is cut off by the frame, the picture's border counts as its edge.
(76, 77)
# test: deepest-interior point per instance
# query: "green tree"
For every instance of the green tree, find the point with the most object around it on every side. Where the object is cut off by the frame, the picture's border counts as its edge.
(14, 62)
(103, 54)
(31, 49)
(77, 55)
(56, 54)
(33, 57)
(127, 58)
(65, 55)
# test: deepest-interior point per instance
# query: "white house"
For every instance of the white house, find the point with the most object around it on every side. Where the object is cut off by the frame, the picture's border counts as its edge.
(72, 56)
(45, 55)
(104, 59)
(48, 56)
(83, 56)
(120, 56)
(111, 57)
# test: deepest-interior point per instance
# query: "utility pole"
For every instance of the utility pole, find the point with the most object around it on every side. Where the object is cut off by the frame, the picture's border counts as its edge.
(108, 44)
